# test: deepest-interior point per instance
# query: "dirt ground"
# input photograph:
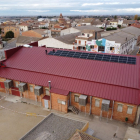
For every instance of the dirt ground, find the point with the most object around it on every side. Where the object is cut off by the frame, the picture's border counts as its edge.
(13, 125)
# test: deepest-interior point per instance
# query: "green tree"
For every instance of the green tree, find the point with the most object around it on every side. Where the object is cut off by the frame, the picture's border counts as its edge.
(9, 34)
(115, 17)
(119, 26)
(135, 17)
(138, 18)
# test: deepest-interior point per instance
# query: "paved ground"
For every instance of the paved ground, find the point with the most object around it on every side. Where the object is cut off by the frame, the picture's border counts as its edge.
(13, 125)
(11, 44)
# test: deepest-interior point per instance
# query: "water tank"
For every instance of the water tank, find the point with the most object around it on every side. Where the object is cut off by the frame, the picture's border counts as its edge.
(22, 87)
(105, 105)
(38, 90)
(8, 84)
(83, 100)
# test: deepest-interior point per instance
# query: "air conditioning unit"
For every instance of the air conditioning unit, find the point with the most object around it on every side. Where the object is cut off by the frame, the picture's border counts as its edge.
(105, 105)
(83, 100)
(38, 90)
(8, 84)
(22, 87)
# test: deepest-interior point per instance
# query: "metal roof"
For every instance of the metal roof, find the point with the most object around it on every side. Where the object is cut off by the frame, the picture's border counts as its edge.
(107, 80)
(35, 59)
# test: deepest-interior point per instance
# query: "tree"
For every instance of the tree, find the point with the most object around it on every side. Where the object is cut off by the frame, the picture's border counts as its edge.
(135, 17)
(138, 18)
(115, 17)
(9, 34)
(0, 30)
(119, 26)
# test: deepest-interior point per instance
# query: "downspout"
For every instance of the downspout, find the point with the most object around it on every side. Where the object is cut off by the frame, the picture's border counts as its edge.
(50, 94)
(90, 105)
(137, 114)
(112, 111)
(70, 100)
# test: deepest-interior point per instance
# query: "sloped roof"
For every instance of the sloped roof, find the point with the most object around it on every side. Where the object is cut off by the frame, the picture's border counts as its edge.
(26, 39)
(88, 27)
(108, 80)
(119, 37)
(40, 31)
(132, 30)
(79, 135)
(68, 39)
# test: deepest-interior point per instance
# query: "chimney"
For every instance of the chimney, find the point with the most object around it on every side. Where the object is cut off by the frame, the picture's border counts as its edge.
(49, 84)
(46, 51)
(53, 51)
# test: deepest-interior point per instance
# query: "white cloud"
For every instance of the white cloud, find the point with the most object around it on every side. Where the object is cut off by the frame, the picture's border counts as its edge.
(38, 10)
(87, 4)
(89, 11)
(129, 10)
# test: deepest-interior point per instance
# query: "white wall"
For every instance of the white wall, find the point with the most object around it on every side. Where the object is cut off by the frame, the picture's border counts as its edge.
(54, 43)
(69, 31)
(24, 28)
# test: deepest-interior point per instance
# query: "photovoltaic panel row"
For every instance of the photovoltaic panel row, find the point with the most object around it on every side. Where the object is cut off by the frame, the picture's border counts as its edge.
(93, 56)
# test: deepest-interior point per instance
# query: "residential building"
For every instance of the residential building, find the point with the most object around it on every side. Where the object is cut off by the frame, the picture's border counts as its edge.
(117, 43)
(38, 33)
(23, 27)
(14, 29)
(80, 29)
(69, 79)
(63, 42)
(136, 24)
(133, 31)
(84, 21)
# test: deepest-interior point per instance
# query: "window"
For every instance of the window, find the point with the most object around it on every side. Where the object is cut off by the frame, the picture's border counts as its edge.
(31, 88)
(129, 109)
(76, 98)
(97, 102)
(83, 34)
(111, 48)
(101, 48)
(47, 92)
(120, 108)
(16, 84)
(87, 35)
(92, 46)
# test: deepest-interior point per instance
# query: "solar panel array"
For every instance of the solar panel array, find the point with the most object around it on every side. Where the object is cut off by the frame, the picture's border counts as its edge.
(93, 56)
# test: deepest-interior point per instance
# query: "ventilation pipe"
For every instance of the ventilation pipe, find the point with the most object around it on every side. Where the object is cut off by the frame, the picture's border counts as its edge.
(50, 94)
(46, 51)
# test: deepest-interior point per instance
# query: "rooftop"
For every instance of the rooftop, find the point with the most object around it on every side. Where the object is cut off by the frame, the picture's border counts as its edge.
(84, 76)
(51, 128)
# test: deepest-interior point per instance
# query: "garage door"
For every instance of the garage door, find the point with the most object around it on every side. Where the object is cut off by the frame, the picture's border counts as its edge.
(15, 91)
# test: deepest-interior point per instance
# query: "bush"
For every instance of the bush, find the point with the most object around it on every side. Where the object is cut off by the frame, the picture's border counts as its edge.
(119, 26)
(108, 29)
(9, 34)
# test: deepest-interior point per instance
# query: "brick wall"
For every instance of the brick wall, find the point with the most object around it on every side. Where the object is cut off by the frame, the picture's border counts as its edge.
(59, 106)
(15, 30)
(97, 110)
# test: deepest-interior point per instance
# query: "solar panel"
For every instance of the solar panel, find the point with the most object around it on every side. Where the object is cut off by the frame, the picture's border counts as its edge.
(93, 56)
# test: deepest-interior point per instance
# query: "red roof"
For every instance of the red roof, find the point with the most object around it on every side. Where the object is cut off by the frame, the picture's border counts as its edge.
(59, 91)
(107, 80)
(46, 97)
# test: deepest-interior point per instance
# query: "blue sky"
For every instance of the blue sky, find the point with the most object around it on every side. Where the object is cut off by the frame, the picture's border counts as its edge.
(69, 7)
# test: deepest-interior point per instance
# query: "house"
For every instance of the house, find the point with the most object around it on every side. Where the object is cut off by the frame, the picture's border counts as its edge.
(63, 80)
(63, 42)
(56, 30)
(133, 31)
(84, 21)
(23, 27)
(38, 33)
(22, 40)
(136, 24)
(86, 36)
(43, 24)
(79, 29)
(114, 23)
(14, 29)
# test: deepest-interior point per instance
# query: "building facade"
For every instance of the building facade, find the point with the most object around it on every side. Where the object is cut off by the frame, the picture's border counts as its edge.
(63, 83)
